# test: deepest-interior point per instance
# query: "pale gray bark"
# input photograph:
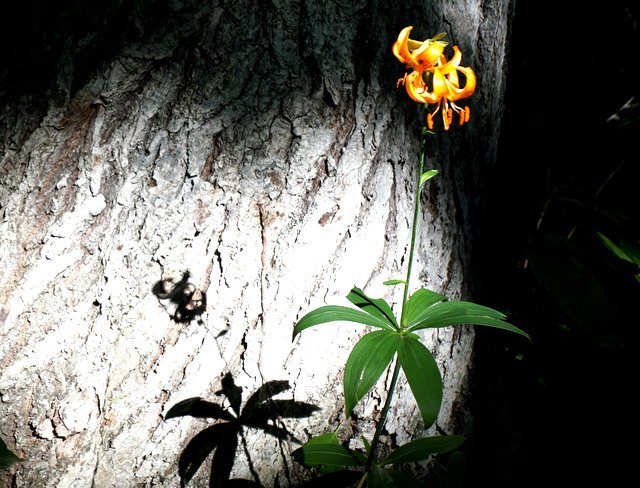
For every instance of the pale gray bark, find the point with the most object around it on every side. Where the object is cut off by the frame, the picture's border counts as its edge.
(264, 149)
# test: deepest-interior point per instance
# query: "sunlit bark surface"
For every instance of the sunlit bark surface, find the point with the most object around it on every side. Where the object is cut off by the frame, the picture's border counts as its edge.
(265, 151)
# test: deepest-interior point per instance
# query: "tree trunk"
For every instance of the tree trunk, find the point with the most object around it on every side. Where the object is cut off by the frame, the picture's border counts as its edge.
(256, 153)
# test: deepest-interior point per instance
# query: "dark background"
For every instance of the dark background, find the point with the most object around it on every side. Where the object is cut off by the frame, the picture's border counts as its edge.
(559, 410)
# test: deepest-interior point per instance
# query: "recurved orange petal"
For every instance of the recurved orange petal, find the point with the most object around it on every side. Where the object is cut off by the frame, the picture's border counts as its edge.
(417, 89)
(469, 86)
(400, 48)
(453, 63)
(453, 78)
(440, 88)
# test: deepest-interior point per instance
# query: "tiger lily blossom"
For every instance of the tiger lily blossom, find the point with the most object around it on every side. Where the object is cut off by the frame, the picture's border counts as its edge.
(435, 82)
(418, 55)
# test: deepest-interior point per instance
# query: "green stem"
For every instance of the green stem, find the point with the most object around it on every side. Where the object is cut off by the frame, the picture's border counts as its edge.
(396, 368)
(383, 415)
(416, 211)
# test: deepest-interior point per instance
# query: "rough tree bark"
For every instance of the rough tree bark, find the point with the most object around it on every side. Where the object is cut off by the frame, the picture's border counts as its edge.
(263, 148)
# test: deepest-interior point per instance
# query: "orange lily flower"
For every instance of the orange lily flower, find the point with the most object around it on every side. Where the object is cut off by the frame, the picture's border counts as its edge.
(418, 55)
(443, 77)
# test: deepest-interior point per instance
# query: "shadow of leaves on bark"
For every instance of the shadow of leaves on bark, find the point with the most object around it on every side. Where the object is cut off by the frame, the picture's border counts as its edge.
(182, 299)
(260, 412)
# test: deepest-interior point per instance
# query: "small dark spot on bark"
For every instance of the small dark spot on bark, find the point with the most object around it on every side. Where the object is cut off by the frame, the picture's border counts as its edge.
(326, 217)
(276, 179)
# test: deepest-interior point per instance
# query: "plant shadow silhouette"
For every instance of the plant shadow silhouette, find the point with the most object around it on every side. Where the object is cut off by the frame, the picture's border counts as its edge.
(186, 301)
(260, 412)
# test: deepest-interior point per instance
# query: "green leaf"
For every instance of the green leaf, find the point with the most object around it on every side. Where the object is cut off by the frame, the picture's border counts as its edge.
(328, 454)
(421, 449)
(418, 304)
(393, 282)
(400, 479)
(613, 248)
(7, 458)
(631, 250)
(626, 250)
(343, 478)
(445, 314)
(391, 478)
(427, 175)
(423, 377)
(336, 313)
(569, 277)
(377, 307)
(369, 358)
(367, 445)
(380, 478)
(454, 472)
(330, 438)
